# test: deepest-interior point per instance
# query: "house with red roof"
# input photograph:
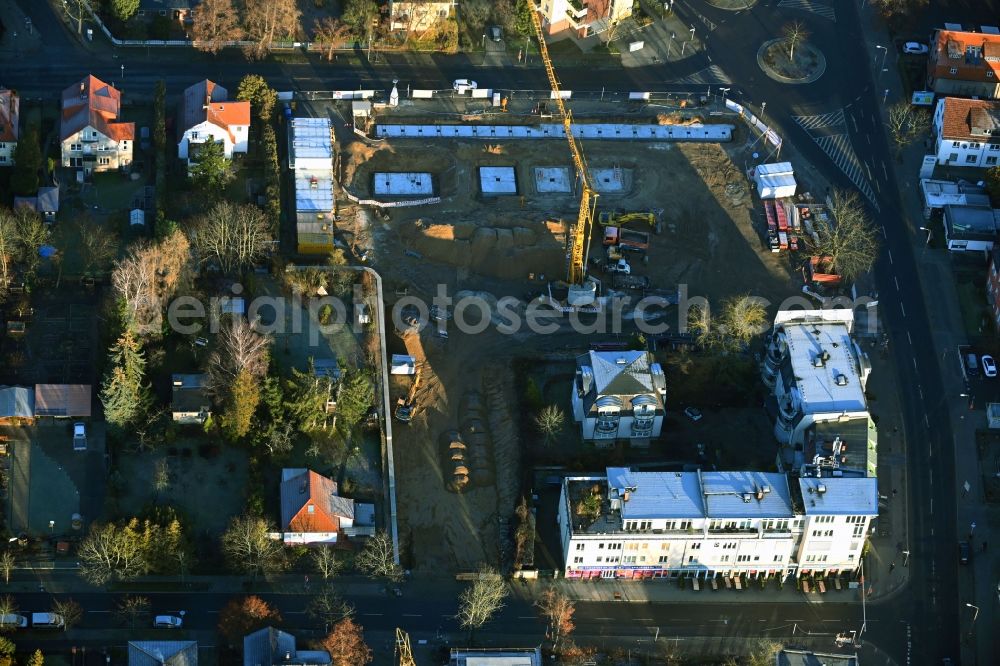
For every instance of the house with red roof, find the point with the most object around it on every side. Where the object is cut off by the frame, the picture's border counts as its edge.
(91, 134)
(313, 512)
(207, 116)
(10, 105)
(967, 132)
(964, 64)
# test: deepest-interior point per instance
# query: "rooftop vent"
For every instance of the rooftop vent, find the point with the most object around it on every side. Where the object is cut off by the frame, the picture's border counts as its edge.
(747, 497)
(620, 361)
(821, 489)
(841, 380)
(818, 361)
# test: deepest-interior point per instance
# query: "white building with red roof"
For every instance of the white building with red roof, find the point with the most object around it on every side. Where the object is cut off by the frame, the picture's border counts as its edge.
(967, 132)
(91, 135)
(10, 105)
(206, 115)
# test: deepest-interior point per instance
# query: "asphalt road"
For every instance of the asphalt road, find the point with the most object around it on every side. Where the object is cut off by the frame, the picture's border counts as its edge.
(929, 606)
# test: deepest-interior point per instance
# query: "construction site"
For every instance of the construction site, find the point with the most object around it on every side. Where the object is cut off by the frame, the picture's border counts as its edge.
(513, 207)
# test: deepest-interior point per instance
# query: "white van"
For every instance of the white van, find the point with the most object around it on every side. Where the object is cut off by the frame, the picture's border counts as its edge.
(13, 621)
(47, 621)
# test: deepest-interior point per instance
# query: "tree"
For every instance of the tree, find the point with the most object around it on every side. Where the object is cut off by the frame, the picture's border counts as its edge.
(240, 406)
(70, 611)
(211, 171)
(36, 659)
(478, 603)
(361, 16)
(161, 477)
(330, 33)
(763, 653)
(557, 609)
(148, 276)
(992, 185)
(8, 605)
(244, 616)
(795, 33)
(7, 562)
(108, 553)
(377, 558)
(306, 398)
(549, 422)
(98, 247)
(263, 98)
(248, 547)
(849, 240)
(32, 234)
(356, 396)
(324, 560)
(742, 319)
(346, 644)
(240, 349)
(524, 535)
(899, 8)
(906, 124)
(132, 610)
(123, 10)
(266, 22)
(7, 649)
(215, 22)
(231, 236)
(124, 393)
(9, 247)
(329, 608)
(341, 279)
(27, 164)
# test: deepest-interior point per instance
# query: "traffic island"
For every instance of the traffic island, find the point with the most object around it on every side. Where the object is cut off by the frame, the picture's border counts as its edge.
(805, 64)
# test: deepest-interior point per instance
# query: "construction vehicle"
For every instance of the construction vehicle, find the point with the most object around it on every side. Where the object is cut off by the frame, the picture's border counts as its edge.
(405, 407)
(607, 218)
(403, 650)
(582, 292)
(626, 238)
(620, 266)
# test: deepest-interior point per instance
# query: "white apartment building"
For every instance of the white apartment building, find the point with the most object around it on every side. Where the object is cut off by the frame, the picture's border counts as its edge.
(640, 525)
(816, 371)
(618, 396)
(207, 116)
(91, 136)
(967, 132)
(586, 17)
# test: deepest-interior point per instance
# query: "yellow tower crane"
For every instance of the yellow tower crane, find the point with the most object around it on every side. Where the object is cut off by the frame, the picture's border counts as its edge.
(580, 234)
(403, 648)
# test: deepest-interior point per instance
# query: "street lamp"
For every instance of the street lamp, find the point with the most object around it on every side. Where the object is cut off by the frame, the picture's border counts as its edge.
(975, 613)
(123, 75)
(906, 558)
(724, 91)
(884, 52)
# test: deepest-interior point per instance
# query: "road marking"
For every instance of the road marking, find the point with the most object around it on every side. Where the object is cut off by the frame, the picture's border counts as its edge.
(878, 187)
(930, 473)
(932, 507)
(896, 280)
(908, 335)
(890, 255)
(525, 617)
(930, 450)
(854, 120)
(884, 235)
(643, 619)
(817, 8)
(869, 137)
(869, 170)
(885, 171)
(831, 620)
(903, 310)
(793, 620)
(380, 615)
(412, 615)
(603, 618)
(96, 611)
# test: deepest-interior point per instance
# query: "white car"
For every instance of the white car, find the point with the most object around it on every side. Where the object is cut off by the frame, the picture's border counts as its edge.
(989, 366)
(461, 85)
(168, 622)
(79, 437)
(693, 413)
(915, 48)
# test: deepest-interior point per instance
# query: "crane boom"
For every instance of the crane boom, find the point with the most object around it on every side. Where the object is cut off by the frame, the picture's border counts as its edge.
(403, 650)
(580, 234)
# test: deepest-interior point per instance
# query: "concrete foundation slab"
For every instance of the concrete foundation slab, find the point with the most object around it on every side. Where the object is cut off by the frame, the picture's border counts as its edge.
(552, 180)
(609, 181)
(497, 180)
(404, 184)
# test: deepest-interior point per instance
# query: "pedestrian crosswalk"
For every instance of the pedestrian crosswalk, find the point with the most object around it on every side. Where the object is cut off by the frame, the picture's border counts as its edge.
(817, 8)
(711, 74)
(829, 131)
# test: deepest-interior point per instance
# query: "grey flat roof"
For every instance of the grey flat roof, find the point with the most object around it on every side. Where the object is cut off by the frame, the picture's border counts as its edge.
(657, 494)
(726, 495)
(840, 496)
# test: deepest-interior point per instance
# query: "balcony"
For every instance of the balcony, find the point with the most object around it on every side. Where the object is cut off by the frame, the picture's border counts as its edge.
(576, 10)
(642, 428)
(777, 533)
(732, 530)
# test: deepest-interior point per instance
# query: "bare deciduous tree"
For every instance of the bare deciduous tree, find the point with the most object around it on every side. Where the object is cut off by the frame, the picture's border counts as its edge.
(8, 605)
(550, 421)
(148, 276)
(849, 240)
(906, 124)
(795, 33)
(241, 348)
(892, 8)
(98, 247)
(161, 477)
(478, 603)
(71, 612)
(215, 22)
(131, 610)
(108, 553)
(377, 560)
(232, 237)
(266, 22)
(8, 247)
(329, 608)
(249, 548)
(330, 33)
(558, 610)
(7, 561)
(324, 560)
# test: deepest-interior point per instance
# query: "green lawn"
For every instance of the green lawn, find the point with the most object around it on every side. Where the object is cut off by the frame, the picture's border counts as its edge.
(114, 191)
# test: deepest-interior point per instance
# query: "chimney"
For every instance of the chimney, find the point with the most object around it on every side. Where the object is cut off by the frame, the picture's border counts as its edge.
(208, 99)
(625, 495)
(83, 89)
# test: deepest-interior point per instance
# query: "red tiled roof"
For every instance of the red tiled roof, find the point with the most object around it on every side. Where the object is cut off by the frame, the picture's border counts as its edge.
(206, 101)
(310, 489)
(950, 52)
(962, 116)
(95, 103)
(9, 116)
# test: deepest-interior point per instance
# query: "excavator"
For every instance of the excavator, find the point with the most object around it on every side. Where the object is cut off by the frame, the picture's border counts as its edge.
(609, 219)
(581, 291)
(406, 407)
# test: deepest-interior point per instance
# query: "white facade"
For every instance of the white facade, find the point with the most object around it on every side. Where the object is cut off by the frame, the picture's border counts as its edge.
(618, 396)
(234, 140)
(816, 370)
(418, 15)
(592, 15)
(704, 525)
(972, 139)
(93, 150)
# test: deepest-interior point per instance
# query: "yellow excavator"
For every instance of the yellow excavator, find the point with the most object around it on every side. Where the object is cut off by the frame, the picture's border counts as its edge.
(609, 219)
(406, 407)
(580, 292)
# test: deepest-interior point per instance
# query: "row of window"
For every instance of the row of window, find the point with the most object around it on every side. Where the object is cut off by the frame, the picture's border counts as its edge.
(975, 146)
(991, 160)
(954, 70)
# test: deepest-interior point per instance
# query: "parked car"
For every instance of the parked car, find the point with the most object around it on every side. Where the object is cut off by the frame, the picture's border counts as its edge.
(964, 552)
(47, 621)
(168, 622)
(461, 85)
(989, 366)
(693, 413)
(915, 48)
(972, 365)
(79, 437)
(496, 34)
(13, 621)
